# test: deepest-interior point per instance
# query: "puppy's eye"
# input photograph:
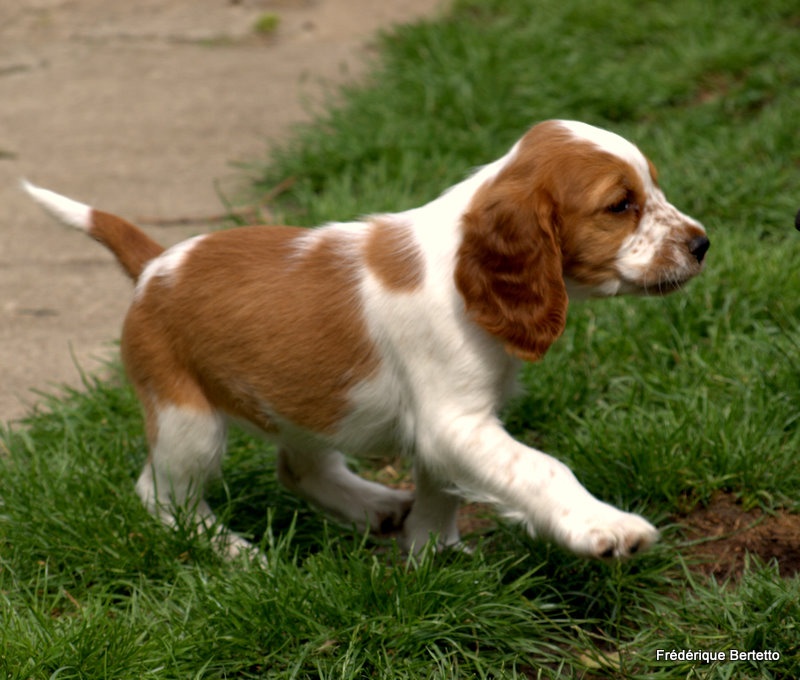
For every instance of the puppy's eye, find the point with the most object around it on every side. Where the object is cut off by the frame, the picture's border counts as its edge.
(620, 207)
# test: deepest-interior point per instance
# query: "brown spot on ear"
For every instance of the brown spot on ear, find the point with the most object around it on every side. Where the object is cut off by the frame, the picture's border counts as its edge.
(393, 257)
(509, 266)
(653, 171)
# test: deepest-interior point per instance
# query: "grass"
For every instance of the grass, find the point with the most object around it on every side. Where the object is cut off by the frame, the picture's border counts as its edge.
(656, 403)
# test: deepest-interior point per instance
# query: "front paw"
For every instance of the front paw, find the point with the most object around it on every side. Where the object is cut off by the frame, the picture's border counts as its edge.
(608, 534)
(388, 512)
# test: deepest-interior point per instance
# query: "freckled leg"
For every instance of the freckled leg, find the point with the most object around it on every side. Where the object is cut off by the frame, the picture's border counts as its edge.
(483, 460)
(323, 478)
(434, 513)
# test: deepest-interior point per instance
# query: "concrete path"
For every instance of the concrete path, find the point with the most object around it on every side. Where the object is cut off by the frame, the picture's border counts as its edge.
(140, 108)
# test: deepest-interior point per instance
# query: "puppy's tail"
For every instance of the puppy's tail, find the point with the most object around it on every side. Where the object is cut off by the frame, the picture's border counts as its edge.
(131, 246)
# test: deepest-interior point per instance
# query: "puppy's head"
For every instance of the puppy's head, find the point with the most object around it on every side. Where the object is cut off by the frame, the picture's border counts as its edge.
(573, 209)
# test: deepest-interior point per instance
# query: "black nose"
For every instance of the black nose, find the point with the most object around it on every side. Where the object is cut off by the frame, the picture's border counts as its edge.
(797, 221)
(699, 246)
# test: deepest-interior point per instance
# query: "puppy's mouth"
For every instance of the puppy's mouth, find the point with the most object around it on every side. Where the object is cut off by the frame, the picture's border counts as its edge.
(661, 283)
(665, 287)
(613, 286)
(676, 270)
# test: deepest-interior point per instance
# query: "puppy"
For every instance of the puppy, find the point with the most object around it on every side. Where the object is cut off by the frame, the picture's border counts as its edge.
(399, 333)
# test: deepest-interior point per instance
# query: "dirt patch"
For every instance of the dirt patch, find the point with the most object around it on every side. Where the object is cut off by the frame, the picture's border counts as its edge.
(717, 536)
(723, 533)
(475, 519)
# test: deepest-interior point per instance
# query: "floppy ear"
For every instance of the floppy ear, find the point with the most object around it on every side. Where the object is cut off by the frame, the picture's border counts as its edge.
(509, 269)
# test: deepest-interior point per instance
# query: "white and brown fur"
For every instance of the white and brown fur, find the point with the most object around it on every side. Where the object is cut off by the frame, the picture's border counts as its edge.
(401, 333)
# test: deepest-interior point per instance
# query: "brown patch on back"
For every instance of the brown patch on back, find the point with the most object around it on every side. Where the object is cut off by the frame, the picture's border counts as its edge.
(393, 257)
(130, 245)
(257, 327)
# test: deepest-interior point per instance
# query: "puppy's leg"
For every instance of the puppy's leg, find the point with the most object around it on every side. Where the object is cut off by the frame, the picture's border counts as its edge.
(434, 513)
(323, 478)
(187, 445)
(486, 462)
